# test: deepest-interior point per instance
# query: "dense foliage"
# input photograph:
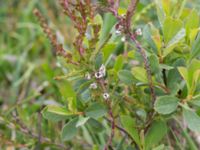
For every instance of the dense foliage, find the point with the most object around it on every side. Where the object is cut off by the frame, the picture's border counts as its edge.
(122, 75)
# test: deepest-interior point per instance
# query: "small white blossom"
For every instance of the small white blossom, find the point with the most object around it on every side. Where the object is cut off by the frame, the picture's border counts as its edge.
(101, 72)
(123, 15)
(88, 76)
(93, 86)
(123, 39)
(138, 31)
(102, 69)
(117, 32)
(106, 96)
(99, 75)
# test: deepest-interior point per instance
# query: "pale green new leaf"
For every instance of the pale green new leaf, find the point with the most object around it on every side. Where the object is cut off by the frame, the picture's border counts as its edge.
(184, 73)
(174, 42)
(192, 21)
(196, 47)
(160, 11)
(140, 74)
(56, 113)
(170, 28)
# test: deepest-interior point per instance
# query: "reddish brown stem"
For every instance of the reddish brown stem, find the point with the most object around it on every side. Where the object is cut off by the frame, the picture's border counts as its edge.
(146, 65)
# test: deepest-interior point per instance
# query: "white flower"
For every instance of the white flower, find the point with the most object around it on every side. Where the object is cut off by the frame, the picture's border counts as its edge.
(99, 75)
(138, 31)
(102, 69)
(123, 39)
(93, 86)
(123, 15)
(117, 32)
(88, 76)
(106, 96)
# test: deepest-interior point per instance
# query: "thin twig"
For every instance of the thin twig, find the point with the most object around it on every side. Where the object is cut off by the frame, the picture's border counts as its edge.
(118, 127)
(109, 142)
(25, 130)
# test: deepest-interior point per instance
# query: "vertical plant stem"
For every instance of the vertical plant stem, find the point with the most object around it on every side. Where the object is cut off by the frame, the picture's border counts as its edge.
(146, 65)
(112, 118)
(109, 143)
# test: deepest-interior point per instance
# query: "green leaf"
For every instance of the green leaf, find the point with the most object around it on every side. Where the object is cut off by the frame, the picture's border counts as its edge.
(81, 121)
(95, 125)
(98, 60)
(56, 113)
(192, 120)
(170, 28)
(148, 38)
(129, 125)
(193, 71)
(196, 47)
(108, 50)
(192, 21)
(166, 104)
(98, 19)
(184, 73)
(155, 134)
(195, 100)
(118, 63)
(108, 22)
(69, 130)
(68, 93)
(140, 74)
(120, 144)
(154, 64)
(96, 110)
(126, 77)
(67, 90)
(85, 96)
(160, 12)
(189, 139)
(191, 75)
(174, 42)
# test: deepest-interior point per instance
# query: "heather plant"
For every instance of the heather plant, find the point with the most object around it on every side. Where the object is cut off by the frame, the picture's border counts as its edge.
(129, 80)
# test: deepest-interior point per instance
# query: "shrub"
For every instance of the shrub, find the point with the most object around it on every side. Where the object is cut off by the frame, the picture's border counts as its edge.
(123, 88)
(128, 82)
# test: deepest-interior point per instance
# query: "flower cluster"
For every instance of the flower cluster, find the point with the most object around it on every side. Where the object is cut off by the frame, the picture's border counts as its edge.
(100, 74)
